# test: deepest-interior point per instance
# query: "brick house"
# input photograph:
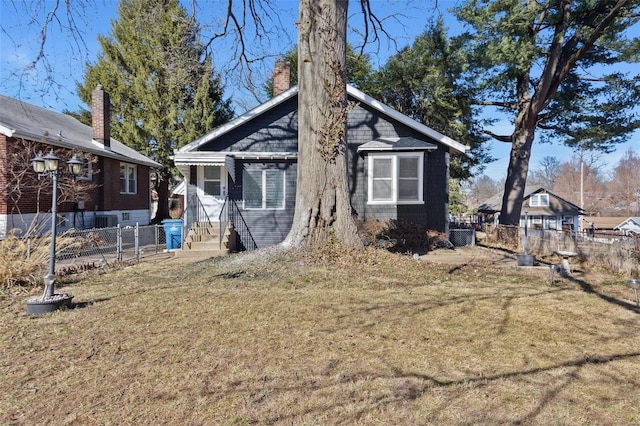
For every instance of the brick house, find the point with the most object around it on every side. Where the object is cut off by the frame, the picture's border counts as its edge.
(115, 187)
(398, 168)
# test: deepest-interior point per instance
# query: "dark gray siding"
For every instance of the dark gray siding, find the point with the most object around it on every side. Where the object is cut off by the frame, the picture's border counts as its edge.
(276, 131)
(268, 227)
(365, 125)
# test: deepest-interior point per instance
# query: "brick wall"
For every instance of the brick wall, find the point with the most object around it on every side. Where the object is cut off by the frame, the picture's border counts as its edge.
(281, 77)
(110, 197)
(101, 116)
(35, 194)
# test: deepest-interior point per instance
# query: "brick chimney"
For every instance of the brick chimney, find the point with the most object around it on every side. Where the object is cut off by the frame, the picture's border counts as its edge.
(101, 116)
(281, 77)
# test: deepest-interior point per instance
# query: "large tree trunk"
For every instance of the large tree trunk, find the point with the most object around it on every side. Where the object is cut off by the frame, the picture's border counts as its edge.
(516, 176)
(323, 206)
(163, 196)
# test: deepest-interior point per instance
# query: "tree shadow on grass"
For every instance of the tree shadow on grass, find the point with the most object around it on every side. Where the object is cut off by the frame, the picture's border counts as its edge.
(413, 385)
(588, 288)
(82, 305)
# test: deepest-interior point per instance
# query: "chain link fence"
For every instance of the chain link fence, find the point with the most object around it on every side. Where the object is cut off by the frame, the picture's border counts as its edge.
(76, 248)
(462, 237)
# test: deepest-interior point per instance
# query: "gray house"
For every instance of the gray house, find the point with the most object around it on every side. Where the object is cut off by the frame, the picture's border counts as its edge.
(245, 171)
(543, 209)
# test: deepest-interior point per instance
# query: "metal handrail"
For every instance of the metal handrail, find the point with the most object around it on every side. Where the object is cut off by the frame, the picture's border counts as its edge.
(230, 213)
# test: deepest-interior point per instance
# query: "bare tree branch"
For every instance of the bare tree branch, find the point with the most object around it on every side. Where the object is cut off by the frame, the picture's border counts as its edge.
(497, 104)
(500, 138)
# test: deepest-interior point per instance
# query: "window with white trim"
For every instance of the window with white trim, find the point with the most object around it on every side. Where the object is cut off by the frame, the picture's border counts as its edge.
(128, 178)
(263, 189)
(539, 200)
(395, 178)
(212, 180)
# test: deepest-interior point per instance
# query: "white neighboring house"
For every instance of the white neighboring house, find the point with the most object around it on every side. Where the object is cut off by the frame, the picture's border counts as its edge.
(630, 226)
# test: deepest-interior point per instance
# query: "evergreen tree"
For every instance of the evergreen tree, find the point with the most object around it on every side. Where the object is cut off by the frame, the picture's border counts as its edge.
(162, 84)
(548, 66)
(423, 81)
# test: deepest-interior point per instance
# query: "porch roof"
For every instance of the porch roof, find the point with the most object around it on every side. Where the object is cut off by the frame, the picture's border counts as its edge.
(184, 160)
(219, 158)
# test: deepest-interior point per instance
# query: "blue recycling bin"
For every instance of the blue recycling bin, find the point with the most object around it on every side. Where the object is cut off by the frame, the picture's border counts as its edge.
(173, 233)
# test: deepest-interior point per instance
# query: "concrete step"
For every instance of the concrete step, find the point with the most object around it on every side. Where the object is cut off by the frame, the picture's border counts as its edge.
(202, 245)
(202, 237)
(203, 242)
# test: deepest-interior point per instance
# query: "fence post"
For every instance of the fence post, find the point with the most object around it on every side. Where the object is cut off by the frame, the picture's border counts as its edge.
(136, 244)
(119, 243)
(28, 248)
(157, 232)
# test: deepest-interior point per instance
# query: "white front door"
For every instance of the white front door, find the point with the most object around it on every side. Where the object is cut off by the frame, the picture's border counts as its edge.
(212, 189)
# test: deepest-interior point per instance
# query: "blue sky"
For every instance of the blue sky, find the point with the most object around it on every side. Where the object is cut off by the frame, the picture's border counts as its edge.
(67, 55)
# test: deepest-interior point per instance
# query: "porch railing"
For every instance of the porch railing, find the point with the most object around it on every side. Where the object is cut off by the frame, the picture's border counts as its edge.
(196, 212)
(230, 213)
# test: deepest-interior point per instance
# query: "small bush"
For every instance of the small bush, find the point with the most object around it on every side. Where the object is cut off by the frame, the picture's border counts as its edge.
(22, 260)
(398, 236)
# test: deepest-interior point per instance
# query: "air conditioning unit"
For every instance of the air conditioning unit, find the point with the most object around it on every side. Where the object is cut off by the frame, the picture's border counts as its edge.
(106, 221)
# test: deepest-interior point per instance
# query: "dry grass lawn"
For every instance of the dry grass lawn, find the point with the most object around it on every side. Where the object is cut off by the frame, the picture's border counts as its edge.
(322, 339)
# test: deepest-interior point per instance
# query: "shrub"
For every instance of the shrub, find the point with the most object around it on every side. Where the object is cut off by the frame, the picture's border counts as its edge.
(398, 236)
(22, 260)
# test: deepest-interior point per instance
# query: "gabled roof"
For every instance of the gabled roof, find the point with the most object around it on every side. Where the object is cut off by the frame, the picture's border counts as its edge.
(630, 224)
(602, 222)
(494, 204)
(453, 145)
(22, 120)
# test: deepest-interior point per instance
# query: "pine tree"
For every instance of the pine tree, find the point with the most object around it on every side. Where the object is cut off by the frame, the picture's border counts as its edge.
(163, 88)
(548, 65)
(424, 82)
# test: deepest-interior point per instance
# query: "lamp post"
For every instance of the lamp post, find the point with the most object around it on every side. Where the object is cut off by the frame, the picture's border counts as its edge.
(49, 165)
(526, 233)
(525, 259)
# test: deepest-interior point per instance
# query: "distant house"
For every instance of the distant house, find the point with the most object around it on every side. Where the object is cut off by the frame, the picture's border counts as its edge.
(119, 176)
(601, 226)
(543, 209)
(398, 168)
(630, 226)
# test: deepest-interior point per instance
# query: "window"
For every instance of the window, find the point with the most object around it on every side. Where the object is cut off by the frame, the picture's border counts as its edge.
(128, 179)
(263, 189)
(395, 178)
(212, 180)
(539, 200)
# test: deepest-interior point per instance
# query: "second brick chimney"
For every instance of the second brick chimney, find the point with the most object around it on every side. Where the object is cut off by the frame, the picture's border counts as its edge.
(101, 116)
(281, 77)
